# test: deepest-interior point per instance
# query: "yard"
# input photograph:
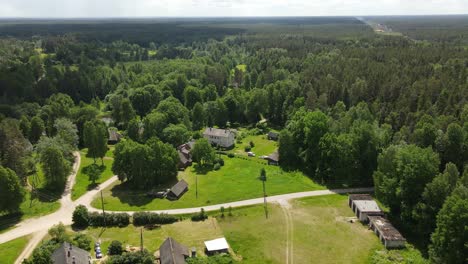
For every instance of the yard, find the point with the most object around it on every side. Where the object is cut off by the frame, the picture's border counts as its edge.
(82, 184)
(262, 146)
(236, 180)
(9, 251)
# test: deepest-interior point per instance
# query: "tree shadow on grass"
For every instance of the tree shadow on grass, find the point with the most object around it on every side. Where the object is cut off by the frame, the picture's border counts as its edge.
(88, 169)
(133, 197)
(9, 220)
(202, 169)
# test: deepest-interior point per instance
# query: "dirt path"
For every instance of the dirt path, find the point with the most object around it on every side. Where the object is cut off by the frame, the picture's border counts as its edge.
(286, 206)
(32, 244)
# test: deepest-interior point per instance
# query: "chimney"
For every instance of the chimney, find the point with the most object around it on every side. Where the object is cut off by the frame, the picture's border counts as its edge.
(68, 255)
(194, 252)
(70, 246)
(73, 260)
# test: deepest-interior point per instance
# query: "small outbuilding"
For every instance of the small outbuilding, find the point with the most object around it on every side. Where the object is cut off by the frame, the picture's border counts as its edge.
(273, 136)
(365, 208)
(171, 252)
(216, 246)
(386, 232)
(273, 159)
(358, 196)
(177, 190)
(114, 136)
(69, 254)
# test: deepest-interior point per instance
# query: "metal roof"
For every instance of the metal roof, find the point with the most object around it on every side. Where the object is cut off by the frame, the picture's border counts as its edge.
(217, 244)
(386, 229)
(171, 252)
(367, 206)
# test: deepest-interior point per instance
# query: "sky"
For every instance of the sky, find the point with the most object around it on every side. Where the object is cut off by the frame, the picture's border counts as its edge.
(224, 8)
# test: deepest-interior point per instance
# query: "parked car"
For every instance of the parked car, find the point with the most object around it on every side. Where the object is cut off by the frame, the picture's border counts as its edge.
(251, 154)
(97, 249)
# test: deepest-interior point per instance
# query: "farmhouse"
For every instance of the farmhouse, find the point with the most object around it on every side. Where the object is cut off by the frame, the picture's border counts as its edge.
(69, 254)
(185, 158)
(388, 234)
(273, 136)
(220, 137)
(171, 252)
(273, 159)
(216, 246)
(177, 190)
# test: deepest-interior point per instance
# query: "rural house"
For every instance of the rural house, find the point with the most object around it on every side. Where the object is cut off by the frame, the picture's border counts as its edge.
(216, 246)
(171, 252)
(386, 232)
(185, 158)
(69, 254)
(177, 190)
(273, 159)
(220, 137)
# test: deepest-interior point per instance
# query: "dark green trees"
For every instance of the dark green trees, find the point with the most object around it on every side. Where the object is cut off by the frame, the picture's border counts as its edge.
(202, 152)
(95, 139)
(55, 167)
(11, 192)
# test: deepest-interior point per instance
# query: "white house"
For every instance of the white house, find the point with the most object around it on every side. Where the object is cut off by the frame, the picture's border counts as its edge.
(216, 246)
(221, 137)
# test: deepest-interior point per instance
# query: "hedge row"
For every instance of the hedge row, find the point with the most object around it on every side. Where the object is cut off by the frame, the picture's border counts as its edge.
(111, 219)
(147, 218)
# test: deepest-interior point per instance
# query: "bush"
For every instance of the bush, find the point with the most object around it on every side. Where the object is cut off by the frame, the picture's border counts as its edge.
(82, 241)
(115, 248)
(252, 144)
(117, 219)
(80, 216)
(248, 148)
(231, 155)
(147, 218)
(216, 166)
(202, 216)
(219, 160)
(141, 257)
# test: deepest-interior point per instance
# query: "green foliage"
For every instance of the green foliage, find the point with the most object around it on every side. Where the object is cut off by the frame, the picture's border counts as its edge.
(82, 241)
(202, 152)
(175, 135)
(115, 248)
(80, 216)
(37, 128)
(148, 218)
(143, 257)
(55, 167)
(14, 148)
(58, 233)
(202, 216)
(217, 259)
(95, 139)
(108, 219)
(449, 239)
(11, 191)
(66, 132)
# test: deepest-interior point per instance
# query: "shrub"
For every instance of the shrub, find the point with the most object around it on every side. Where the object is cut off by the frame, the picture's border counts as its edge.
(217, 166)
(202, 216)
(80, 216)
(252, 144)
(248, 148)
(115, 248)
(231, 155)
(111, 219)
(82, 241)
(219, 160)
(147, 218)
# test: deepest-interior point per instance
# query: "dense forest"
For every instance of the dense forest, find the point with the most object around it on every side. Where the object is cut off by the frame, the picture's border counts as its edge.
(354, 108)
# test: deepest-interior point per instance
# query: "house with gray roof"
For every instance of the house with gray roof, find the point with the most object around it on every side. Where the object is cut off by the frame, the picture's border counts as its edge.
(177, 190)
(220, 137)
(69, 254)
(171, 252)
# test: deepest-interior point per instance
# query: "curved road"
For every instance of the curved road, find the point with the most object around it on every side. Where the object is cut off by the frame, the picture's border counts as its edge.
(39, 226)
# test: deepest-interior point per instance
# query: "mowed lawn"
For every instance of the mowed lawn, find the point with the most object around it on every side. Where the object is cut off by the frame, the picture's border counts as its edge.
(83, 184)
(10, 250)
(262, 146)
(188, 233)
(236, 180)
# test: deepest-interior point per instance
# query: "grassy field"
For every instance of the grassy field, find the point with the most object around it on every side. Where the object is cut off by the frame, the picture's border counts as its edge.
(10, 251)
(262, 146)
(82, 184)
(236, 180)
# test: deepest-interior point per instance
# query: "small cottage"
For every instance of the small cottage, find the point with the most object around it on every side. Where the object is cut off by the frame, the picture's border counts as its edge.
(273, 159)
(177, 190)
(386, 232)
(273, 136)
(220, 137)
(358, 196)
(365, 208)
(114, 136)
(216, 246)
(69, 254)
(171, 252)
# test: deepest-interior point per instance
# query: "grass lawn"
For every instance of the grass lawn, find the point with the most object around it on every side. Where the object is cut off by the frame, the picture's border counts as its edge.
(236, 180)
(82, 184)
(9, 251)
(190, 234)
(262, 146)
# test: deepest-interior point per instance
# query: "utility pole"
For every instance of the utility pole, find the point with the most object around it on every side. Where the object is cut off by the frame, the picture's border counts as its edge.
(103, 212)
(196, 186)
(141, 240)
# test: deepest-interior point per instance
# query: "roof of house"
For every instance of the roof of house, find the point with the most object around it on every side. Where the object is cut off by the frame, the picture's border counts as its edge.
(60, 255)
(274, 156)
(386, 229)
(171, 252)
(367, 206)
(114, 135)
(360, 196)
(184, 158)
(210, 131)
(179, 188)
(273, 134)
(217, 244)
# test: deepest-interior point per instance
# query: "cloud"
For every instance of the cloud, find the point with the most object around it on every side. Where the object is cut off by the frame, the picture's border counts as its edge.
(188, 8)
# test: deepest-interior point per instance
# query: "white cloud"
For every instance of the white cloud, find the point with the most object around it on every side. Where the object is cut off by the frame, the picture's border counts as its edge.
(216, 8)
